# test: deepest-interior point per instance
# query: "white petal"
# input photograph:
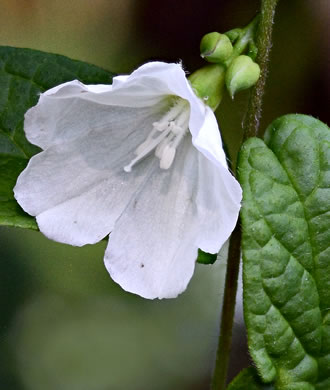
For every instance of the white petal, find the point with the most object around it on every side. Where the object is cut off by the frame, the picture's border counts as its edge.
(218, 203)
(148, 85)
(152, 250)
(67, 114)
(207, 139)
(78, 189)
(73, 88)
(154, 80)
(219, 193)
(203, 125)
(174, 77)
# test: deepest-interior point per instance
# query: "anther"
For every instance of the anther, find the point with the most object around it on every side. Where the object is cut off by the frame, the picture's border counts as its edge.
(167, 157)
(165, 137)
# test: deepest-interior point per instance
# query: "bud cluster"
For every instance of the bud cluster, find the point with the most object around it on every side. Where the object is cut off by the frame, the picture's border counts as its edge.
(240, 71)
(231, 64)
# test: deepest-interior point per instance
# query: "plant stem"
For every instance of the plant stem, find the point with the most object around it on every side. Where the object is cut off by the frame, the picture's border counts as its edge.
(228, 311)
(244, 38)
(264, 44)
(251, 128)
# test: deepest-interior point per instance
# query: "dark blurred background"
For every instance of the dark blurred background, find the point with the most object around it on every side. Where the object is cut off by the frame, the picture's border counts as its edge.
(64, 325)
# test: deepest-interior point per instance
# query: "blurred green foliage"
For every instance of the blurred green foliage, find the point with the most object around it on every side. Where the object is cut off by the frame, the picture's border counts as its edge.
(66, 325)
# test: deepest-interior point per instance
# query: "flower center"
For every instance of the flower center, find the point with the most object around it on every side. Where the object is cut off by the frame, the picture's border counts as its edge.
(165, 136)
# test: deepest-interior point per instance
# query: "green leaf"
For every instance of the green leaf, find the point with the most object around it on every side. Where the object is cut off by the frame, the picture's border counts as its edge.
(206, 258)
(24, 74)
(248, 379)
(286, 252)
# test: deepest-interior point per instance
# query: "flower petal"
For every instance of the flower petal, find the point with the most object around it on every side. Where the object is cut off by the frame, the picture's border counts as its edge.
(79, 191)
(67, 114)
(147, 86)
(207, 139)
(203, 125)
(79, 188)
(152, 251)
(219, 193)
(174, 77)
(218, 203)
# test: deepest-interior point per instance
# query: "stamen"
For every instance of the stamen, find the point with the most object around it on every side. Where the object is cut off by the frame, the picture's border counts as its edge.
(161, 125)
(146, 143)
(182, 120)
(167, 157)
(160, 148)
(179, 138)
(146, 147)
(176, 130)
(178, 108)
(165, 136)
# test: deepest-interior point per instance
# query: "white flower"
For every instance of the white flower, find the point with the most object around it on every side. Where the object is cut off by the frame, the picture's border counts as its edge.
(141, 159)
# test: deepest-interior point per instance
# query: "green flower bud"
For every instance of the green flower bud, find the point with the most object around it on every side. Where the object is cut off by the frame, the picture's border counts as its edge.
(216, 47)
(208, 83)
(241, 74)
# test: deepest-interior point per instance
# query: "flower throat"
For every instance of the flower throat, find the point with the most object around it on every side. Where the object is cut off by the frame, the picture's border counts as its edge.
(165, 136)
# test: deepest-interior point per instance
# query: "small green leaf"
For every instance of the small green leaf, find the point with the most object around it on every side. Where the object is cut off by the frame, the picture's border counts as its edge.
(248, 379)
(24, 74)
(286, 252)
(206, 258)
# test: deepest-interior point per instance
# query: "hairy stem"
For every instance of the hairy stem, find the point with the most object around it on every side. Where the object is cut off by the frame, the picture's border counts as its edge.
(228, 309)
(251, 128)
(264, 44)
